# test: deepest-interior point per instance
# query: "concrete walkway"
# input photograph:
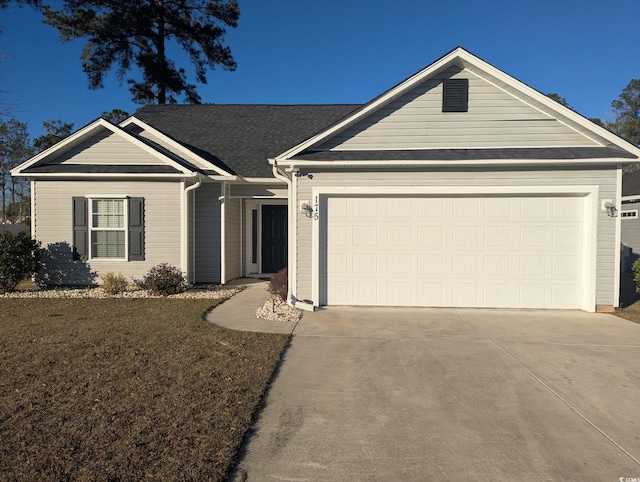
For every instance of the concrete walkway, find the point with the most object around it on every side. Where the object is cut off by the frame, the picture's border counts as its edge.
(385, 394)
(239, 311)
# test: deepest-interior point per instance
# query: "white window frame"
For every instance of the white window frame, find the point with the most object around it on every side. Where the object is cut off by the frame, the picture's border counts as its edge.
(629, 214)
(91, 228)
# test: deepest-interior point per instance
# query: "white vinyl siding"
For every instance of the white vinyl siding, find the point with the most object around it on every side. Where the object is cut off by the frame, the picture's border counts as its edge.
(495, 118)
(53, 226)
(106, 148)
(604, 179)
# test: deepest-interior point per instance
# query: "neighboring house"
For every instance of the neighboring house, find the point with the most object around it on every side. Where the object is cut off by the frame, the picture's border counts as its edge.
(460, 186)
(14, 228)
(630, 219)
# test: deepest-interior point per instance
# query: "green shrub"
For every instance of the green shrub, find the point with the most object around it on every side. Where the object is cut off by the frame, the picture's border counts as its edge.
(164, 280)
(20, 257)
(114, 284)
(635, 267)
(279, 284)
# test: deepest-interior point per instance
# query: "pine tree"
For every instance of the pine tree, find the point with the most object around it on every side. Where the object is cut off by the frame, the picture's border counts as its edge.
(124, 33)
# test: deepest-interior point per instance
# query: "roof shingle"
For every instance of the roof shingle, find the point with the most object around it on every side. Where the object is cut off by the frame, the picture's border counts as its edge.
(240, 138)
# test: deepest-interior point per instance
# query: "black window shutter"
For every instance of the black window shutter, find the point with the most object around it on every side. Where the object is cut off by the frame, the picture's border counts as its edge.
(455, 95)
(80, 228)
(136, 229)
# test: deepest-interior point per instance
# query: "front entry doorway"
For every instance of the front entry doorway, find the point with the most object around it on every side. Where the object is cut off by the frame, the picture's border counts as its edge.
(266, 237)
(274, 238)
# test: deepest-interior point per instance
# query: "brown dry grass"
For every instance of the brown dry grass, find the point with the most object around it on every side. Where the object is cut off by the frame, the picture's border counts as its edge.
(119, 389)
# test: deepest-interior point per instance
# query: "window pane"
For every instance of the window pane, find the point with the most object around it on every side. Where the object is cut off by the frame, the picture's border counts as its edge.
(107, 244)
(108, 213)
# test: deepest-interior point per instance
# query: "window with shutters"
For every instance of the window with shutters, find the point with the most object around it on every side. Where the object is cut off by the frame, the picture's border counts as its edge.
(455, 95)
(108, 228)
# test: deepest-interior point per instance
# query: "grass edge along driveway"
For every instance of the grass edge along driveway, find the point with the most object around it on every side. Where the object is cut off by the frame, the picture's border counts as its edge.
(122, 389)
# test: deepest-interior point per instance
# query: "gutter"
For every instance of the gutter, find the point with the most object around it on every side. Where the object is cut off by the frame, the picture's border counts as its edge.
(184, 231)
(279, 173)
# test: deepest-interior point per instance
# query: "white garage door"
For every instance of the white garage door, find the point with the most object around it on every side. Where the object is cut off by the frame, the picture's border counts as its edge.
(499, 251)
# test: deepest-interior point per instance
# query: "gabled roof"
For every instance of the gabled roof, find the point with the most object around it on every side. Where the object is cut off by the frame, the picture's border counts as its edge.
(164, 143)
(241, 138)
(44, 162)
(605, 143)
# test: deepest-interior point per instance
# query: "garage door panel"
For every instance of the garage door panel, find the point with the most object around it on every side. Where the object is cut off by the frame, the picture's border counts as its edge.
(430, 236)
(494, 251)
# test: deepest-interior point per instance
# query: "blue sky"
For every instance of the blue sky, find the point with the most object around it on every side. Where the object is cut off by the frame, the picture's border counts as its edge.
(347, 51)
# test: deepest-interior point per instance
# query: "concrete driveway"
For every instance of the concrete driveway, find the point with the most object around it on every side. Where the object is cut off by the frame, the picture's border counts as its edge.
(383, 394)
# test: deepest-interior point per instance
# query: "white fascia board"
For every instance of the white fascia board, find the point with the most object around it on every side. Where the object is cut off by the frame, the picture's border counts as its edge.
(262, 180)
(100, 176)
(175, 145)
(229, 178)
(466, 163)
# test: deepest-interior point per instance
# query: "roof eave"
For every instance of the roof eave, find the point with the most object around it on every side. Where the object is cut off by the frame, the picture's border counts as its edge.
(84, 175)
(390, 164)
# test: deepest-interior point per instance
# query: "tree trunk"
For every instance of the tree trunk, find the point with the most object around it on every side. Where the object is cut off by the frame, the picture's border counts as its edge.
(162, 84)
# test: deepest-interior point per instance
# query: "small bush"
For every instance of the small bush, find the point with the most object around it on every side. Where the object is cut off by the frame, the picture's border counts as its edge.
(635, 267)
(279, 284)
(20, 257)
(164, 280)
(114, 284)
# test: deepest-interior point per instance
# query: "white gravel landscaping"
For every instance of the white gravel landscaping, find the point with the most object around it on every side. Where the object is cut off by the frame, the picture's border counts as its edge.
(276, 309)
(200, 291)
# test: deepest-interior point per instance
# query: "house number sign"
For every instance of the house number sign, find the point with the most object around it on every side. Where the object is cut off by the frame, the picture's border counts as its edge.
(316, 205)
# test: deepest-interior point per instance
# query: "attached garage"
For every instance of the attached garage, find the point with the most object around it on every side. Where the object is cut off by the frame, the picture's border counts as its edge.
(458, 187)
(464, 251)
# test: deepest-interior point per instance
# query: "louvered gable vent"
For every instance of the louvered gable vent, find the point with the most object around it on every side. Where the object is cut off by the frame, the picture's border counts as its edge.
(455, 95)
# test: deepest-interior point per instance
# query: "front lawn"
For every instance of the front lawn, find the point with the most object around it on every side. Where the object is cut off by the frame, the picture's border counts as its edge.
(125, 389)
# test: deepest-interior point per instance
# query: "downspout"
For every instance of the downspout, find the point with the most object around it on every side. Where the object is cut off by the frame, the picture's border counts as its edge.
(291, 237)
(184, 241)
(223, 232)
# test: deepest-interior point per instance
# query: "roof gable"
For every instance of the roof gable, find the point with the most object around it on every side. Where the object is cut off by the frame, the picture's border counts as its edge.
(101, 147)
(165, 143)
(502, 113)
(494, 118)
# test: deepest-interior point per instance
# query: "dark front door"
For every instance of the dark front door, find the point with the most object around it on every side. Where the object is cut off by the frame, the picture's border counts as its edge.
(274, 238)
